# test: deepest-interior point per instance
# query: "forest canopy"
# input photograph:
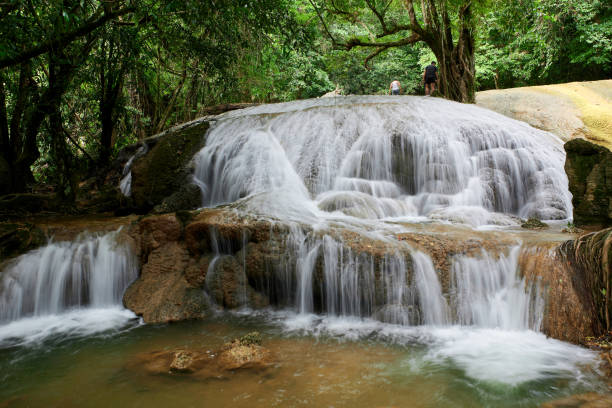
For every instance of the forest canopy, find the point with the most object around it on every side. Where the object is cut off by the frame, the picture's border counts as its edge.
(80, 79)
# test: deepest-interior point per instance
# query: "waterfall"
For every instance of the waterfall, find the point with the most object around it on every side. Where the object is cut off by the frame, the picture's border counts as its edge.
(378, 157)
(125, 185)
(91, 272)
(362, 163)
(488, 293)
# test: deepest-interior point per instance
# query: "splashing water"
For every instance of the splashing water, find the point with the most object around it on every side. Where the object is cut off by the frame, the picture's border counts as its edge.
(379, 157)
(51, 288)
(366, 163)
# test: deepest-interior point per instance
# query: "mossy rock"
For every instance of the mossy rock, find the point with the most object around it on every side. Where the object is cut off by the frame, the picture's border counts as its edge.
(162, 176)
(252, 338)
(534, 223)
(16, 239)
(589, 171)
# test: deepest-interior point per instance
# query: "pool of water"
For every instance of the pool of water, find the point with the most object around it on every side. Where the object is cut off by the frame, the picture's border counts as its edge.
(318, 361)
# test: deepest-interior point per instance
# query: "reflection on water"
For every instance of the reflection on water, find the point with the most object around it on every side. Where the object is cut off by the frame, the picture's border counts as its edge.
(318, 362)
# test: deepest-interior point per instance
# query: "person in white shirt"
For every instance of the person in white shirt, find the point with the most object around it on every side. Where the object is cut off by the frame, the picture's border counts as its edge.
(395, 88)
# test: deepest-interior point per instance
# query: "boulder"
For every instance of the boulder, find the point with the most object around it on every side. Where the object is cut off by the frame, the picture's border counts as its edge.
(245, 353)
(161, 178)
(179, 275)
(589, 170)
(570, 110)
(534, 223)
(17, 238)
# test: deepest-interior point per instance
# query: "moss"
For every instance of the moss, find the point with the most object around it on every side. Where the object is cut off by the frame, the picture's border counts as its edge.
(534, 223)
(16, 239)
(252, 338)
(589, 170)
(164, 170)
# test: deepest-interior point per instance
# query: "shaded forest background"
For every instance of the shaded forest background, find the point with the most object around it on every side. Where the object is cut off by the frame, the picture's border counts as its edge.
(80, 79)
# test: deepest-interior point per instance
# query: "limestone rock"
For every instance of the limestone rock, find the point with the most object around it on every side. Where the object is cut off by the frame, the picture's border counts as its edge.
(570, 110)
(183, 361)
(162, 294)
(588, 400)
(237, 356)
(588, 257)
(589, 170)
(161, 178)
(245, 353)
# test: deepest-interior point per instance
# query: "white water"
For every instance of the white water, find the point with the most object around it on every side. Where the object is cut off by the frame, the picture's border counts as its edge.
(356, 163)
(493, 356)
(380, 157)
(64, 287)
(125, 185)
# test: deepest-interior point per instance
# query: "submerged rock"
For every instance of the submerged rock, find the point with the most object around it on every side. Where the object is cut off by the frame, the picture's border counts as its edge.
(588, 400)
(183, 361)
(245, 353)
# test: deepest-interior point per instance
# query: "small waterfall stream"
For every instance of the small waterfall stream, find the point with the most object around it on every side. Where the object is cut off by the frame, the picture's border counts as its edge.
(67, 280)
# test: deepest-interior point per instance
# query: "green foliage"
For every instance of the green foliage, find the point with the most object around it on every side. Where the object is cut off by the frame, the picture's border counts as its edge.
(156, 63)
(531, 42)
(347, 70)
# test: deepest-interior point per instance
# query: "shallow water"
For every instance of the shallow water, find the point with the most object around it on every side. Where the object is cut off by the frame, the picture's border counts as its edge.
(318, 362)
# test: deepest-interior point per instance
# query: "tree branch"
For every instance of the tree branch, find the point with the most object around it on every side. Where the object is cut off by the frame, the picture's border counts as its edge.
(63, 39)
(355, 42)
(329, 34)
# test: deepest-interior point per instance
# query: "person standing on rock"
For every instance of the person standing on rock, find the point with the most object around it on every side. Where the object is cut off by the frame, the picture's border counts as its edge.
(395, 88)
(430, 76)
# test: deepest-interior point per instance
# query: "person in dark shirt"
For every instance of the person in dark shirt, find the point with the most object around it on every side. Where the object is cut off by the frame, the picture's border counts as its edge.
(430, 76)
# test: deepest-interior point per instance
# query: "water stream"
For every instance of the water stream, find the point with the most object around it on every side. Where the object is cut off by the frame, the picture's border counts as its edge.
(350, 327)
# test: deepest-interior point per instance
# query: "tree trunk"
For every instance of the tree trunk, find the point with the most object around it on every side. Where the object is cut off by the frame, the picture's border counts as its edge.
(457, 68)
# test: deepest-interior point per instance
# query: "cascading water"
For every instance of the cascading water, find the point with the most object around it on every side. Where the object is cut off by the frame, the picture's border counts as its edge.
(381, 157)
(64, 282)
(125, 185)
(369, 164)
(363, 161)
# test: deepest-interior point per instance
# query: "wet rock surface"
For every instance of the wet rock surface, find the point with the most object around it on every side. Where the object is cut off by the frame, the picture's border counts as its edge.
(589, 170)
(161, 178)
(220, 258)
(245, 353)
(17, 238)
(588, 258)
(534, 223)
(589, 400)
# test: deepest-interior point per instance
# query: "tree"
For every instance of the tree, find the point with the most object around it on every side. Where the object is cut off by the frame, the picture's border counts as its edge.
(43, 45)
(387, 24)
